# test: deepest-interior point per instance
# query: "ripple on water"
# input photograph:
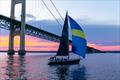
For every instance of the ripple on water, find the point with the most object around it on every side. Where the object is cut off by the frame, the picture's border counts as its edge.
(35, 67)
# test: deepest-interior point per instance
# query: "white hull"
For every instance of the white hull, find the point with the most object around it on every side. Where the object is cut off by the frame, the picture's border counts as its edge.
(63, 60)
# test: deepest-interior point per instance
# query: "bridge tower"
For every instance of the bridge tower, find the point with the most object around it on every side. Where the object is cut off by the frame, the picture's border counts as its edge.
(22, 30)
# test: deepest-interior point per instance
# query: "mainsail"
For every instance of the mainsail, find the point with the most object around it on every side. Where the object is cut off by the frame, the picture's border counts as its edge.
(79, 43)
(64, 42)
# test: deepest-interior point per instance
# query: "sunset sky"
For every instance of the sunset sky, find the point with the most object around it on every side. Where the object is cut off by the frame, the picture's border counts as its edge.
(99, 19)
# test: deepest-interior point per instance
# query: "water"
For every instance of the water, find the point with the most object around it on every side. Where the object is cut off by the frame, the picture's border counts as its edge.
(34, 67)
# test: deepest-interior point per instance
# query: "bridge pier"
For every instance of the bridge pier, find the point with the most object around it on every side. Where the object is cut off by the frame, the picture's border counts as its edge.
(11, 42)
(11, 33)
(22, 31)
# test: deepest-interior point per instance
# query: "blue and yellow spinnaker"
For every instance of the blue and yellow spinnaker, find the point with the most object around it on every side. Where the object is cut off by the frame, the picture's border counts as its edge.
(79, 44)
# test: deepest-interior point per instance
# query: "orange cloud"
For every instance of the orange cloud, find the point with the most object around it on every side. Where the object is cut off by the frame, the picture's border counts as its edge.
(37, 44)
(31, 44)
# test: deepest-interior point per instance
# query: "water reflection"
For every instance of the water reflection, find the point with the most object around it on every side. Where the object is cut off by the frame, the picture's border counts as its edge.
(79, 73)
(68, 72)
(62, 72)
(94, 67)
(15, 69)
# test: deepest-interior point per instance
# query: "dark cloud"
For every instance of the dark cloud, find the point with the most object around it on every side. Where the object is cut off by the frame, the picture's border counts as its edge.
(103, 34)
(30, 16)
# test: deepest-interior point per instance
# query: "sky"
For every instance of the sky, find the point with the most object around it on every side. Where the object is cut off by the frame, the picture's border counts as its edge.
(99, 18)
(99, 11)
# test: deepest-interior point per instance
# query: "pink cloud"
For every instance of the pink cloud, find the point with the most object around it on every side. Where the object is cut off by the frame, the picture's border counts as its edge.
(105, 48)
(36, 44)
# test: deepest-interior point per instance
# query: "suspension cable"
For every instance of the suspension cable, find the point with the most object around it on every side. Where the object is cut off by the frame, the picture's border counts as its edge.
(51, 13)
(57, 10)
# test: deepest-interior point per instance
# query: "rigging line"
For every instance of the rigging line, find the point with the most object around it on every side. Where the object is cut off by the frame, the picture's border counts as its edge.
(57, 10)
(51, 13)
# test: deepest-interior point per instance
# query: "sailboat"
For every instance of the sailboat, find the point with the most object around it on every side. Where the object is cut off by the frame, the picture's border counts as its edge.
(78, 44)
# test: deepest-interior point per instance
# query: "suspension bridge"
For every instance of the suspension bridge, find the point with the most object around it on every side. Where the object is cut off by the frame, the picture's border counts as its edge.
(21, 28)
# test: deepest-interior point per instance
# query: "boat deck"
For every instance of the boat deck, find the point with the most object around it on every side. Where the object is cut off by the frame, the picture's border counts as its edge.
(62, 60)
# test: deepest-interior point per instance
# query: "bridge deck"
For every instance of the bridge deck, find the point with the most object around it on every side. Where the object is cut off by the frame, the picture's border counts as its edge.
(29, 30)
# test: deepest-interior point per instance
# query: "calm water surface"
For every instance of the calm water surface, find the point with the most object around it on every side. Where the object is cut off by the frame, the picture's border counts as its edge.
(34, 67)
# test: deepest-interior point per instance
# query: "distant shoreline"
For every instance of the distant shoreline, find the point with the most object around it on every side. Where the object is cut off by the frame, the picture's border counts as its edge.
(36, 51)
(56, 52)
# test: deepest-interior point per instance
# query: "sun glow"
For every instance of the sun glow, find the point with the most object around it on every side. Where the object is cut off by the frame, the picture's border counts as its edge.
(31, 43)
(36, 44)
